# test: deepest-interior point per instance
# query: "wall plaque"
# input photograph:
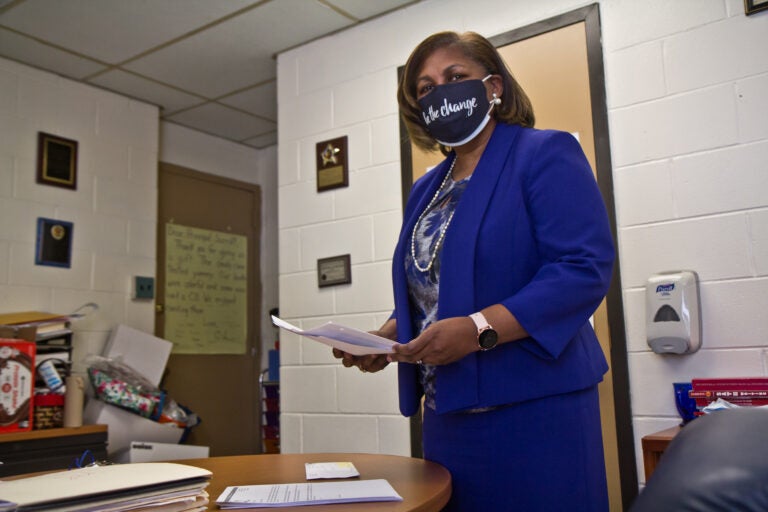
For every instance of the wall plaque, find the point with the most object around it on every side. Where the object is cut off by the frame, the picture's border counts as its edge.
(56, 161)
(54, 243)
(332, 170)
(333, 271)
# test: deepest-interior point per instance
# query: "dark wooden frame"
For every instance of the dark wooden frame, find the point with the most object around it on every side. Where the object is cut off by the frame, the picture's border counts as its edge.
(753, 6)
(51, 170)
(590, 15)
(334, 261)
(340, 146)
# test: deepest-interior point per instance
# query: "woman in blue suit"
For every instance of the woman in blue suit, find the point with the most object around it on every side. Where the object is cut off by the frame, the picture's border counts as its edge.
(504, 254)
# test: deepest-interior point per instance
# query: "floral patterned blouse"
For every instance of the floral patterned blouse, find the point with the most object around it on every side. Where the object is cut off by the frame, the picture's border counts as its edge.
(423, 287)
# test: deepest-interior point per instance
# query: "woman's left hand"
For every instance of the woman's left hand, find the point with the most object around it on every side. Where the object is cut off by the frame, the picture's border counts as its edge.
(443, 342)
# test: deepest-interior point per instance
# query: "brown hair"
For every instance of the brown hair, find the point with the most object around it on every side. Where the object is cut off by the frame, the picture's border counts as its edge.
(515, 108)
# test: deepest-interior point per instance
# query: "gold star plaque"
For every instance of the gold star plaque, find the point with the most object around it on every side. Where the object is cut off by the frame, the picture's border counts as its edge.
(332, 170)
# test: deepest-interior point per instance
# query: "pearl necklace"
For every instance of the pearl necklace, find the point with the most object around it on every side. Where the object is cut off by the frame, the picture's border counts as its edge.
(442, 231)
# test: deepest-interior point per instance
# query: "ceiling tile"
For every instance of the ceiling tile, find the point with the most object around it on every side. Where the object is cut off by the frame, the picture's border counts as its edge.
(222, 121)
(239, 52)
(364, 9)
(29, 51)
(177, 54)
(260, 101)
(114, 30)
(262, 141)
(167, 98)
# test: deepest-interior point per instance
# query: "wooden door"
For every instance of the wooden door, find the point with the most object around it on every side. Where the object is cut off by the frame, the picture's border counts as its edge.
(208, 303)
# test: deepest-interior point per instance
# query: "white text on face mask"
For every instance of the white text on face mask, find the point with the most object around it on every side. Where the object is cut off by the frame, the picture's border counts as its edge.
(449, 108)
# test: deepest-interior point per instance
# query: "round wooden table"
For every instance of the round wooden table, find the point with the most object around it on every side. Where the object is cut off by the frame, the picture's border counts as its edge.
(424, 486)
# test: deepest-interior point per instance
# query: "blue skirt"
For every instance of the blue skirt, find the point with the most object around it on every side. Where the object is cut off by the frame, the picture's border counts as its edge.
(535, 456)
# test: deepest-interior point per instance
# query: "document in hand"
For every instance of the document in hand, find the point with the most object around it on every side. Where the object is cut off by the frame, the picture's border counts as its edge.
(350, 340)
(285, 495)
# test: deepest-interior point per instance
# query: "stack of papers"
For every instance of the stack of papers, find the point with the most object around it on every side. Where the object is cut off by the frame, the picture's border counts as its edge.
(348, 339)
(286, 495)
(137, 487)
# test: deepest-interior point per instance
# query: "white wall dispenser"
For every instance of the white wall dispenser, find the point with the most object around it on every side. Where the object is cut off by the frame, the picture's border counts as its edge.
(673, 312)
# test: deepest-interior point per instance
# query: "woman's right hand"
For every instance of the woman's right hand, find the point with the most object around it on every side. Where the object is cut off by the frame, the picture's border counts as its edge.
(374, 362)
(367, 364)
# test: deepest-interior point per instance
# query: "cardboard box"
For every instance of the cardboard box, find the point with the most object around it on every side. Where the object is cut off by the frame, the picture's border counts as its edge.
(125, 427)
(141, 451)
(143, 352)
(17, 385)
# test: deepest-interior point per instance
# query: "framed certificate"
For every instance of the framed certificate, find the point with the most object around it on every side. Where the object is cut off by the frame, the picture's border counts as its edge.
(333, 271)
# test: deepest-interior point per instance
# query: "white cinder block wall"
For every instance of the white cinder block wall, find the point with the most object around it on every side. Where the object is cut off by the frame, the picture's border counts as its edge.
(686, 84)
(114, 208)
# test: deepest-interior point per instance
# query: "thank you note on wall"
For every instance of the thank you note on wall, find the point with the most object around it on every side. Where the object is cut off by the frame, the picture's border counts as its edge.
(205, 291)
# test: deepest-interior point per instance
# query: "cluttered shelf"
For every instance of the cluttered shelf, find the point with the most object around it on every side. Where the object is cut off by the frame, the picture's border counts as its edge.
(32, 435)
(124, 370)
(51, 449)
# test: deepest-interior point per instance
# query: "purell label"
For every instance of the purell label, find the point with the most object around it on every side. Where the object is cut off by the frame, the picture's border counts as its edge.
(665, 289)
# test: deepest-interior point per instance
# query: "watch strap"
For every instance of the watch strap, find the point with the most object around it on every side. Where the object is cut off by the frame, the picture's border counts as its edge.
(480, 321)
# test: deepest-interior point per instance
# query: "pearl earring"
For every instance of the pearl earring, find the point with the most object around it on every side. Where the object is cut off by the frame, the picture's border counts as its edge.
(496, 100)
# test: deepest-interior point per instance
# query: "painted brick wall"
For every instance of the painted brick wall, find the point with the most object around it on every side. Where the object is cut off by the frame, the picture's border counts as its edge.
(685, 84)
(114, 208)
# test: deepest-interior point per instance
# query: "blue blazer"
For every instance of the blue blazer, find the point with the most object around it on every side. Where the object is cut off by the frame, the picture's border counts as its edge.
(530, 232)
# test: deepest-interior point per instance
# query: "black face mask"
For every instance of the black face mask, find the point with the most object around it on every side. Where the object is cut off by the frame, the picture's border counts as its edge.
(456, 112)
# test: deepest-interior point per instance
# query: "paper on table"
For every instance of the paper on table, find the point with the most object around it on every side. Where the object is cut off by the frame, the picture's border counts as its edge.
(283, 495)
(330, 470)
(350, 340)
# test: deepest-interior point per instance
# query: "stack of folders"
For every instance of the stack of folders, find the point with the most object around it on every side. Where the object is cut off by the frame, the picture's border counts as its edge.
(137, 487)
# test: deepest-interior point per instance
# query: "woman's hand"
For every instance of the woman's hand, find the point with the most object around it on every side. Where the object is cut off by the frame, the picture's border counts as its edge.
(370, 363)
(367, 364)
(443, 342)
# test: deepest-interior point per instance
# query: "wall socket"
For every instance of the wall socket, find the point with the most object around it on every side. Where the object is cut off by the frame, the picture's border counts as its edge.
(143, 288)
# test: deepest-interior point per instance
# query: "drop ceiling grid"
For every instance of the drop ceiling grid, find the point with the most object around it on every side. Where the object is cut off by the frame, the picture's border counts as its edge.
(208, 65)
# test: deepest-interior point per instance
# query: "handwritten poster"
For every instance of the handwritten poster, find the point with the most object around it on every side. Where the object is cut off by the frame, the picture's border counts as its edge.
(205, 291)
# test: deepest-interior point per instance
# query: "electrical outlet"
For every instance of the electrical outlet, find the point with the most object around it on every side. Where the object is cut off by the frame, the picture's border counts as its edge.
(143, 287)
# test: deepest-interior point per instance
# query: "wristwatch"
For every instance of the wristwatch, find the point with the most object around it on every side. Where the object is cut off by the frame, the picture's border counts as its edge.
(487, 338)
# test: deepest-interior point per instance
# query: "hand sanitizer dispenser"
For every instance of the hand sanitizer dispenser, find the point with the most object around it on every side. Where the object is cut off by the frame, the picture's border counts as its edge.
(673, 312)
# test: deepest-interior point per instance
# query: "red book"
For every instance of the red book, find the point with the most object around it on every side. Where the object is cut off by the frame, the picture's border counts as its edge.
(730, 394)
(744, 402)
(745, 391)
(730, 384)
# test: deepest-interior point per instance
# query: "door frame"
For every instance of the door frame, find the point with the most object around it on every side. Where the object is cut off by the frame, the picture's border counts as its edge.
(590, 15)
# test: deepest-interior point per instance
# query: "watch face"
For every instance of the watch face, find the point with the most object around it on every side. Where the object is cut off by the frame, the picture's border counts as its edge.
(488, 339)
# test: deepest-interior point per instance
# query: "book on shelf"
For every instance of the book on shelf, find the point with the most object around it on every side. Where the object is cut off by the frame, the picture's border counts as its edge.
(744, 391)
(34, 324)
(730, 383)
(726, 393)
(743, 402)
